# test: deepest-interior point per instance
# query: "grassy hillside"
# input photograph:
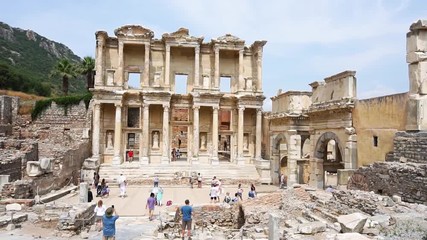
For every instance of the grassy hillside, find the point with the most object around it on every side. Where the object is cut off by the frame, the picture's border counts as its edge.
(26, 59)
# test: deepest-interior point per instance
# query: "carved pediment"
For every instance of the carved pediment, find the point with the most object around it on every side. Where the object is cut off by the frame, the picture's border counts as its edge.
(181, 35)
(228, 38)
(133, 31)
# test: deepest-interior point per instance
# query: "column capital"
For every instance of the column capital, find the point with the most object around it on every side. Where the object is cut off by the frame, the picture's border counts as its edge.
(196, 107)
(241, 51)
(215, 108)
(118, 105)
(216, 49)
(121, 44)
(97, 105)
(166, 107)
(241, 108)
(145, 105)
(197, 49)
(259, 110)
(168, 48)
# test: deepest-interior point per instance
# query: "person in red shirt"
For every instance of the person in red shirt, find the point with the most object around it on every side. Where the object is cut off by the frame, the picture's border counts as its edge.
(130, 156)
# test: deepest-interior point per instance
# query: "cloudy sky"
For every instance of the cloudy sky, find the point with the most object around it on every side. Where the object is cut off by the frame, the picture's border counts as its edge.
(308, 40)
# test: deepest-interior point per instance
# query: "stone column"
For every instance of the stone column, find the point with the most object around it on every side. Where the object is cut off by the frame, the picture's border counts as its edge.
(196, 66)
(145, 78)
(259, 71)
(167, 65)
(258, 134)
(240, 130)
(350, 155)
(83, 196)
(117, 159)
(145, 140)
(165, 149)
(99, 76)
(274, 226)
(216, 76)
(96, 130)
(214, 159)
(241, 79)
(195, 157)
(120, 67)
(416, 57)
(294, 153)
(316, 174)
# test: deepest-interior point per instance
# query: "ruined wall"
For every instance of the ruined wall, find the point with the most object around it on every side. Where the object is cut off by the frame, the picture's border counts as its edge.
(379, 117)
(409, 147)
(294, 102)
(408, 180)
(11, 167)
(182, 62)
(336, 87)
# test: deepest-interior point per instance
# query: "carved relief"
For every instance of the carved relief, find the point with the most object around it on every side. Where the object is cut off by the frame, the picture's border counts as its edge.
(155, 140)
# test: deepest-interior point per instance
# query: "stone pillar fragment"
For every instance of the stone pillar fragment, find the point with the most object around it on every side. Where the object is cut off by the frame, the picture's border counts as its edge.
(196, 66)
(117, 159)
(259, 70)
(145, 140)
(216, 76)
(273, 226)
(96, 130)
(416, 57)
(316, 174)
(167, 65)
(258, 136)
(99, 60)
(241, 79)
(240, 130)
(214, 159)
(146, 74)
(120, 69)
(165, 149)
(83, 196)
(195, 157)
(350, 154)
(294, 153)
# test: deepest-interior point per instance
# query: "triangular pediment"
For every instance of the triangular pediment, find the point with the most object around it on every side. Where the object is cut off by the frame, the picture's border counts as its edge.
(228, 38)
(133, 31)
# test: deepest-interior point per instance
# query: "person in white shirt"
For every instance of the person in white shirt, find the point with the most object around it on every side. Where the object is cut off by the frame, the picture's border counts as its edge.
(214, 194)
(122, 185)
(99, 213)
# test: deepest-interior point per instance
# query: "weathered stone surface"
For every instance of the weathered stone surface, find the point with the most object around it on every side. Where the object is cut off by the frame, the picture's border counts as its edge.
(350, 236)
(13, 207)
(311, 228)
(352, 222)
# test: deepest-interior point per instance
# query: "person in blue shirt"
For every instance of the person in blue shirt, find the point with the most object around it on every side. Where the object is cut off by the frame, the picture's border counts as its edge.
(186, 211)
(109, 223)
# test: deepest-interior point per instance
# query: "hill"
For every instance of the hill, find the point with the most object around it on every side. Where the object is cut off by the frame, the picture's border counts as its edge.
(26, 59)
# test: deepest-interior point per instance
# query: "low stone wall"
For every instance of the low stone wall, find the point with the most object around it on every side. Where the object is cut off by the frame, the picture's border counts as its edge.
(408, 180)
(77, 217)
(409, 147)
(12, 167)
(18, 190)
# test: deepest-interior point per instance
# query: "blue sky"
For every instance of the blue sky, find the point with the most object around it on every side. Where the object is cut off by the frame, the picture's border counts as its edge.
(307, 40)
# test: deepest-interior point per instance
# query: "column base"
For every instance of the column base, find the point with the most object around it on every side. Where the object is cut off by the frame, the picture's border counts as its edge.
(144, 161)
(117, 160)
(165, 160)
(240, 161)
(214, 161)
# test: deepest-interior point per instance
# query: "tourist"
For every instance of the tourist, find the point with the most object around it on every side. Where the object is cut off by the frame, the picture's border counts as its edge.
(227, 198)
(213, 194)
(105, 192)
(173, 154)
(122, 185)
(159, 196)
(178, 154)
(130, 156)
(95, 180)
(283, 181)
(199, 180)
(186, 211)
(89, 195)
(330, 189)
(214, 181)
(251, 194)
(99, 213)
(151, 202)
(235, 199)
(240, 191)
(219, 183)
(156, 181)
(109, 223)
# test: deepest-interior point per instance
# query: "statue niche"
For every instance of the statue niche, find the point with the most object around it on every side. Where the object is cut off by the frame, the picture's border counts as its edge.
(109, 140)
(155, 140)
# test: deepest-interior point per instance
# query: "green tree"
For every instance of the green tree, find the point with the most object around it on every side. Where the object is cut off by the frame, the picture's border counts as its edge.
(86, 68)
(65, 70)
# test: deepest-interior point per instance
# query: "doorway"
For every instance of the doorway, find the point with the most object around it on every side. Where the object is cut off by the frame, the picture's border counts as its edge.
(224, 146)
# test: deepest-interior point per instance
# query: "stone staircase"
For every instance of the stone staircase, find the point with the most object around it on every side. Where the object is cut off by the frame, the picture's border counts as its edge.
(178, 172)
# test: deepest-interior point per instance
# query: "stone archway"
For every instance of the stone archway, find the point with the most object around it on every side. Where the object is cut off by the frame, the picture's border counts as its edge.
(277, 153)
(329, 157)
